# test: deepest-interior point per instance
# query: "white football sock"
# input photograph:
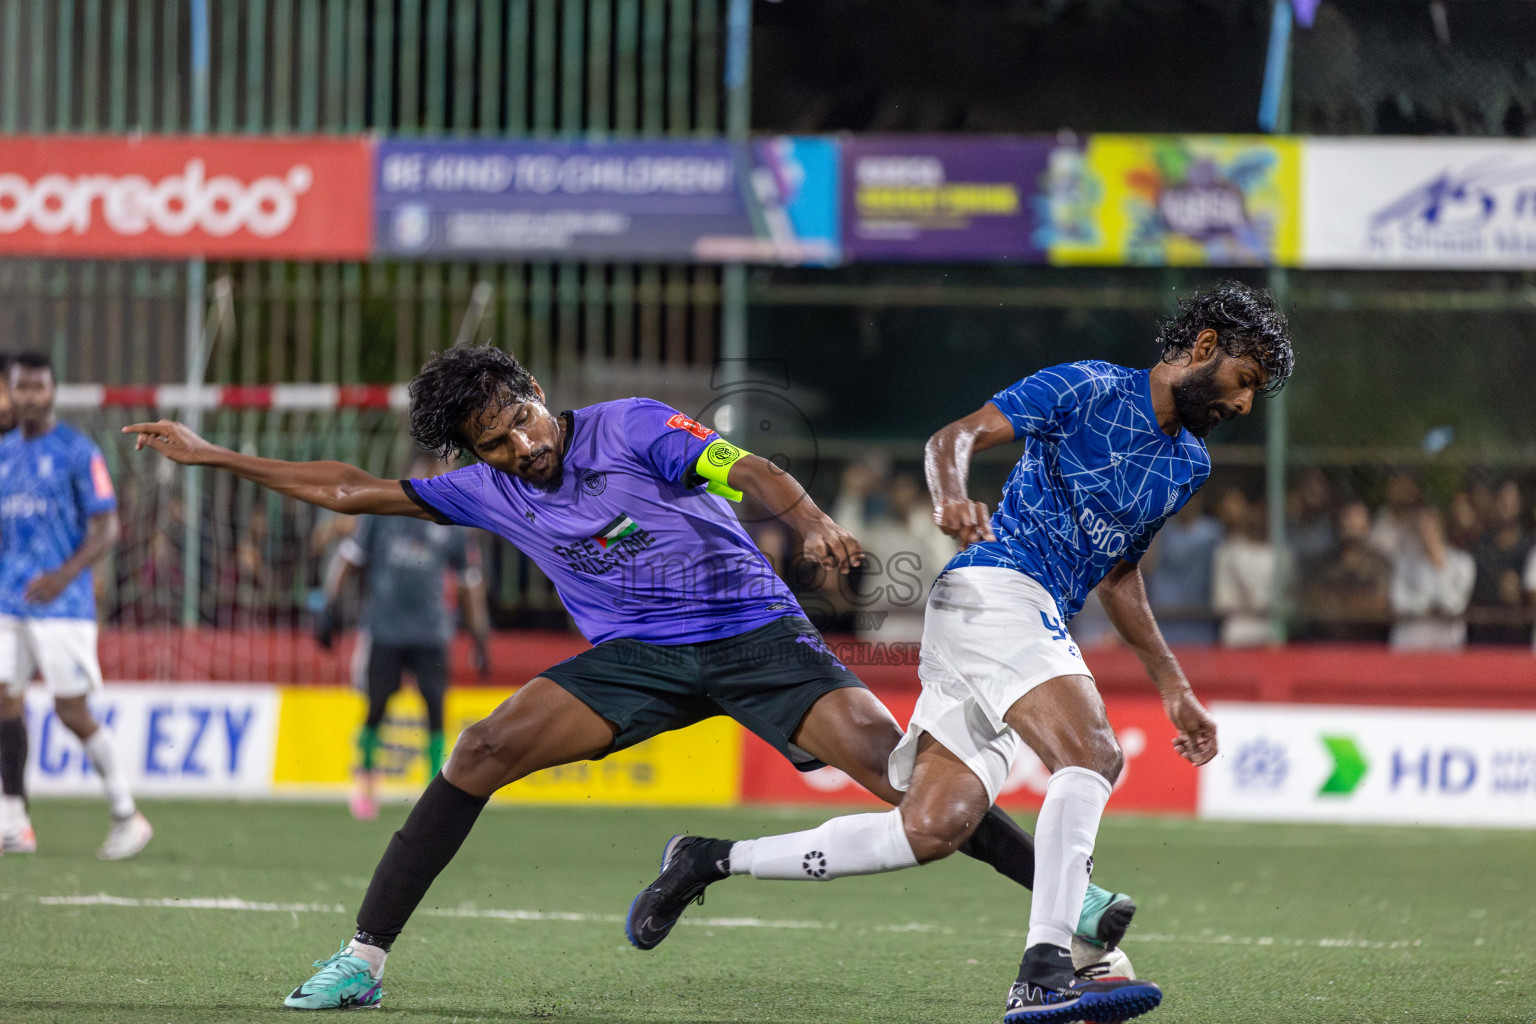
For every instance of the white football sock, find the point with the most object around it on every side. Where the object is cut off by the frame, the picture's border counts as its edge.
(1064, 835)
(103, 756)
(856, 844)
(13, 816)
(373, 954)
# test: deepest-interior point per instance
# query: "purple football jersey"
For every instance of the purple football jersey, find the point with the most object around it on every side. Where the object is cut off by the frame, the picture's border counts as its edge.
(632, 541)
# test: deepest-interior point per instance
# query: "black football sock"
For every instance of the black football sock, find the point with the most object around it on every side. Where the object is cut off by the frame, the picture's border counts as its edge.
(1047, 966)
(714, 857)
(431, 835)
(1000, 842)
(13, 757)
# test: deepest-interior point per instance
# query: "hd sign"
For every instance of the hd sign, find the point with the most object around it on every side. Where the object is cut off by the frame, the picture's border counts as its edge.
(1366, 765)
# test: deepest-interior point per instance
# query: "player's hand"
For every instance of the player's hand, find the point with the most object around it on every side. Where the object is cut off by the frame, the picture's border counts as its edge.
(45, 588)
(1196, 742)
(326, 624)
(832, 547)
(175, 441)
(480, 656)
(963, 519)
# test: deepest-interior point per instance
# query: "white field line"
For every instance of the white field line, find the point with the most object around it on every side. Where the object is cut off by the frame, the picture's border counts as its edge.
(101, 899)
(238, 904)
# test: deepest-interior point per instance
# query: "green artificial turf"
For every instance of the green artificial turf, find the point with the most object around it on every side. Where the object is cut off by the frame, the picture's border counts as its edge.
(1238, 923)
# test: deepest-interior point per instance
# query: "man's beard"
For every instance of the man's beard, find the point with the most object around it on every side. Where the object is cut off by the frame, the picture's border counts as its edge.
(1195, 400)
(555, 479)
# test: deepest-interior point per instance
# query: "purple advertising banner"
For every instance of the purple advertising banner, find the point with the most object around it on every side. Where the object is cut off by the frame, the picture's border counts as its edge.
(944, 198)
(773, 200)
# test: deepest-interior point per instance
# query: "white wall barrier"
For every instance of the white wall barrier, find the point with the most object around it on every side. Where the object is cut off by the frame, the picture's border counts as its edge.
(1418, 203)
(184, 740)
(1278, 762)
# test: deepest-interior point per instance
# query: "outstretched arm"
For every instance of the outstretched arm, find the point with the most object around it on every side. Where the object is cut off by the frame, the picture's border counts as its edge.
(1124, 597)
(826, 543)
(333, 485)
(947, 464)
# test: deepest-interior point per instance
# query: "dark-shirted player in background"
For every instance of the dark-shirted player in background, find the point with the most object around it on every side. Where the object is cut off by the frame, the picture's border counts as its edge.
(1110, 453)
(58, 517)
(623, 505)
(405, 624)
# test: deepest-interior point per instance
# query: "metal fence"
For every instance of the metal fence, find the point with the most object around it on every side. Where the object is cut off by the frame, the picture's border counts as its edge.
(1415, 373)
(124, 323)
(474, 67)
(1387, 361)
(588, 68)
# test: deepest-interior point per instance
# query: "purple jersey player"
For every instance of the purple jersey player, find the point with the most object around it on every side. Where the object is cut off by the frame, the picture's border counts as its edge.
(624, 506)
(635, 546)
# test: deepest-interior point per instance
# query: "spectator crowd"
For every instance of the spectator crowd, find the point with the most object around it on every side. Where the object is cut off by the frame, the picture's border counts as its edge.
(1403, 570)
(1398, 569)
(1412, 573)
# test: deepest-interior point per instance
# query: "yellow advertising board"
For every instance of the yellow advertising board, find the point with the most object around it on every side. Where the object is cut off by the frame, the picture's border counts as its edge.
(316, 752)
(1178, 200)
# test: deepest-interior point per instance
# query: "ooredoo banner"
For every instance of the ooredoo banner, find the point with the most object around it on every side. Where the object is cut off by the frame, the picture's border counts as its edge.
(1372, 765)
(1419, 203)
(180, 196)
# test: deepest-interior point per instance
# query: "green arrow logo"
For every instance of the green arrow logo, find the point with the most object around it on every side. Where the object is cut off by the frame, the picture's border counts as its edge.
(1349, 766)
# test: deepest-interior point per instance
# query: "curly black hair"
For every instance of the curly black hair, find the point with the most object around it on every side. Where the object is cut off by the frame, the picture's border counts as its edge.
(459, 384)
(1247, 322)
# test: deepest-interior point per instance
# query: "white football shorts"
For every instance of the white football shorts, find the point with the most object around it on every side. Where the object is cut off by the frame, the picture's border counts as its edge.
(62, 651)
(990, 635)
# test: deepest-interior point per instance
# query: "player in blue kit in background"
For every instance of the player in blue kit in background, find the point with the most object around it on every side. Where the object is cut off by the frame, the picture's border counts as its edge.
(624, 505)
(58, 517)
(1110, 453)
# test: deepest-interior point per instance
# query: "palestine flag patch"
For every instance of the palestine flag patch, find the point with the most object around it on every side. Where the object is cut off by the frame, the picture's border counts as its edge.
(621, 526)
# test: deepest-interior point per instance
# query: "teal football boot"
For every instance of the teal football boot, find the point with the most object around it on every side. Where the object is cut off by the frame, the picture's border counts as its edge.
(1106, 917)
(344, 982)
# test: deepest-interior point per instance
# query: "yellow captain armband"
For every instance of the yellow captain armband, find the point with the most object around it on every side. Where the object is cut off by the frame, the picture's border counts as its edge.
(714, 466)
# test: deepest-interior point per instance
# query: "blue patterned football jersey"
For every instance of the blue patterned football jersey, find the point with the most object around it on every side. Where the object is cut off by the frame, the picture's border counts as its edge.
(1097, 480)
(50, 487)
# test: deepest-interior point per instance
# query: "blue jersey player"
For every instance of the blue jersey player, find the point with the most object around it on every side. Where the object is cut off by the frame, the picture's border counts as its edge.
(624, 507)
(58, 516)
(1110, 453)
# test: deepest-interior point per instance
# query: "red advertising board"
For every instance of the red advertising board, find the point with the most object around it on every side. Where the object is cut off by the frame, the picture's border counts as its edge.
(179, 196)
(1155, 778)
